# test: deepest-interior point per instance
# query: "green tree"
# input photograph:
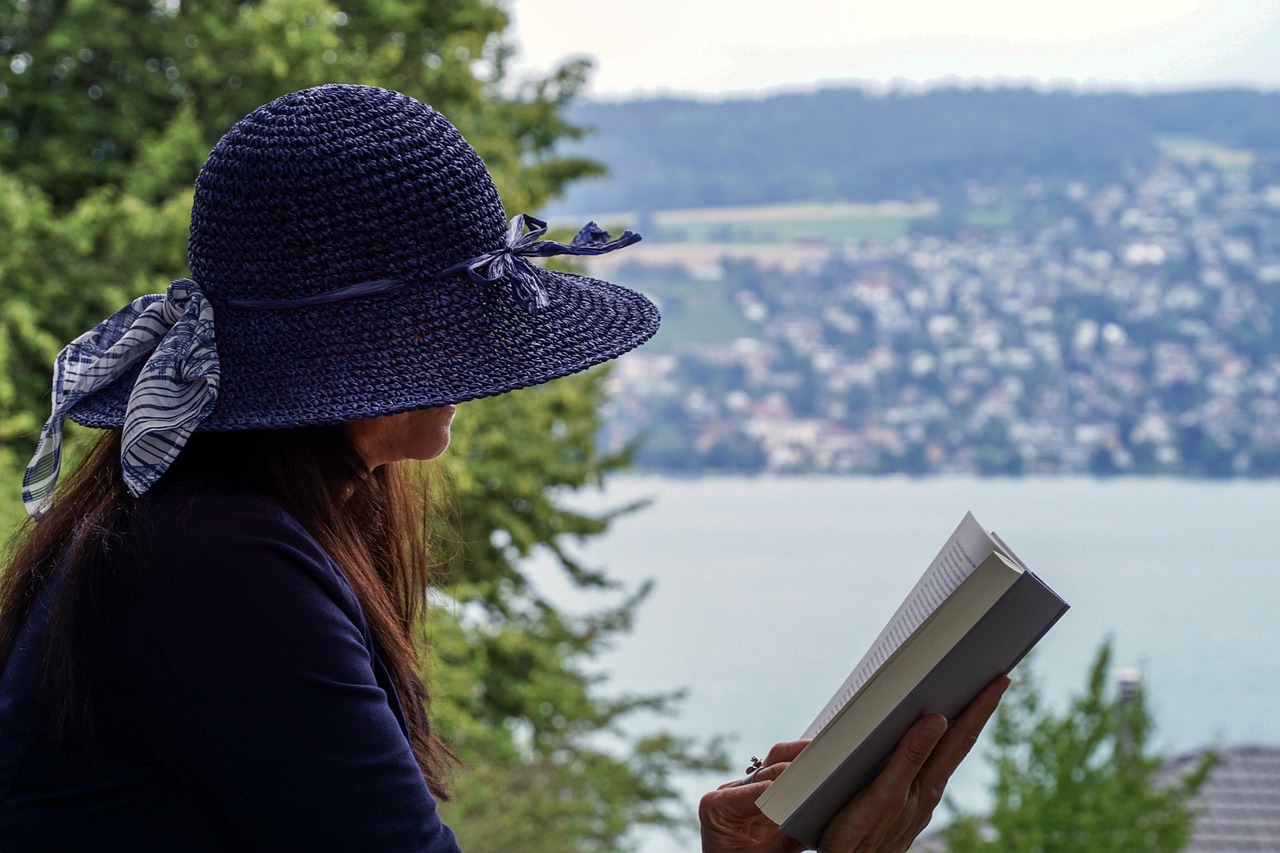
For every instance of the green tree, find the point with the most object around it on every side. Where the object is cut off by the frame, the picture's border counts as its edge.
(1085, 779)
(512, 672)
(85, 85)
(107, 110)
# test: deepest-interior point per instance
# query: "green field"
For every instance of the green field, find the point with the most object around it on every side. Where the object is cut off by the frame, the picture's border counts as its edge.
(787, 230)
(1191, 149)
(827, 222)
(693, 310)
(987, 219)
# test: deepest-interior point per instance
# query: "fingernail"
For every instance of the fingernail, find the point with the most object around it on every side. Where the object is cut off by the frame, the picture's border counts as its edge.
(935, 727)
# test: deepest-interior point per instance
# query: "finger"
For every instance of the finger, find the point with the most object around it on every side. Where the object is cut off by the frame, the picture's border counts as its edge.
(730, 818)
(780, 753)
(764, 774)
(879, 807)
(892, 786)
(768, 774)
(787, 751)
(959, 740)
(739, 800)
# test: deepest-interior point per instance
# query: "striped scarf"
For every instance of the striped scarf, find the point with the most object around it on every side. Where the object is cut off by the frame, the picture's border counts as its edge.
(174, 392)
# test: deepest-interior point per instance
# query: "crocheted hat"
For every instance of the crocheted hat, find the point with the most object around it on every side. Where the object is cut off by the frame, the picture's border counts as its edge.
(350, 258)
(344, 185)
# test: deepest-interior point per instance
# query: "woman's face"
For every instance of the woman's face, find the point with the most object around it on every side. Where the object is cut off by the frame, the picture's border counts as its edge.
(423, 434)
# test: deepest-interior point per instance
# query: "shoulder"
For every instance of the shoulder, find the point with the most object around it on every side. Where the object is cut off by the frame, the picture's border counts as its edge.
(181, 520)
(239, 553)
(266, 687)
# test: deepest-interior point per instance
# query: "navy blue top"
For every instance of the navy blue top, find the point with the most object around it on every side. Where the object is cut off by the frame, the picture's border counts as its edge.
(243, 705)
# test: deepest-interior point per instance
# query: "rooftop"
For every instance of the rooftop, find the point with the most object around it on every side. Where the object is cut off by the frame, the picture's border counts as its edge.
(1240, 800)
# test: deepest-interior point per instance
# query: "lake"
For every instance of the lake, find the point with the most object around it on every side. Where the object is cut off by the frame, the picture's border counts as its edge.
(768, 590)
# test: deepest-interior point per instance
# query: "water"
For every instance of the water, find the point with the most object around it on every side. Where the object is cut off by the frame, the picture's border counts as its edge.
(769, 590)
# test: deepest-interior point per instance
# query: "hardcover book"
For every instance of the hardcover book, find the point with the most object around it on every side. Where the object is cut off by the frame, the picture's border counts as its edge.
(974, 613)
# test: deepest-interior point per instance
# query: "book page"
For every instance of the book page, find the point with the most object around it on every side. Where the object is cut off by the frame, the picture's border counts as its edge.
(968, 546)
(1007, 551)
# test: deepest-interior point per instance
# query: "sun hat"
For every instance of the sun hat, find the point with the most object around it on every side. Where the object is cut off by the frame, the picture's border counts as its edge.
(350, 258)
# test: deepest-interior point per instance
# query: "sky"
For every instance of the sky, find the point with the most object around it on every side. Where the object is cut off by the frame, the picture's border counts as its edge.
(717, 48)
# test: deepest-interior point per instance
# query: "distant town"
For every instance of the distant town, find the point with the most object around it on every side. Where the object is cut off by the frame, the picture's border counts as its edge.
(1048, 327)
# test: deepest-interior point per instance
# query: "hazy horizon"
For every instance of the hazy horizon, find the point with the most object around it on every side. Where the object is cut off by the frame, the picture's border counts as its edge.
(878, 88)
(670, 49)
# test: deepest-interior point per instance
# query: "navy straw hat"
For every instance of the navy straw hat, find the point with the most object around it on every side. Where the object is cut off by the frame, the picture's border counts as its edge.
(358, 263)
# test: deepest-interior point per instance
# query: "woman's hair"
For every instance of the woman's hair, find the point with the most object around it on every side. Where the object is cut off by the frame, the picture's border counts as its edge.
(373, 525)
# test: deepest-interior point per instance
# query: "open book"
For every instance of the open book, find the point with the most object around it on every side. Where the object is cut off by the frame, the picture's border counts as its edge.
(971, 617)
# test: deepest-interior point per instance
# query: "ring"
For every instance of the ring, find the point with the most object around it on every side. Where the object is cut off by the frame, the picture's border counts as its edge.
(753, 768)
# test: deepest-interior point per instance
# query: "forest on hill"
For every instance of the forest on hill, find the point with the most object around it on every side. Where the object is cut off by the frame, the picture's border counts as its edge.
(848, 144)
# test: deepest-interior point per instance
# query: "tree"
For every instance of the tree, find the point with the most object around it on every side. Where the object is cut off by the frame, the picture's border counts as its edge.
(87, 85)
(1085, 779)
(107, 110)
(511, 677)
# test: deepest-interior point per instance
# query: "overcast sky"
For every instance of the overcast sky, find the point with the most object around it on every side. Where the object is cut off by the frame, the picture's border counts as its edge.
(709, 47)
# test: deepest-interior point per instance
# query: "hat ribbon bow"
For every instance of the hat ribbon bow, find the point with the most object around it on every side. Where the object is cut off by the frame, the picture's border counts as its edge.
(509, 261)
(174, 392)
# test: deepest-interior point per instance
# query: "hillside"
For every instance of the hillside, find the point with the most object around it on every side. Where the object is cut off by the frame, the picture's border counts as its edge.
(959, 282)
(850, 145)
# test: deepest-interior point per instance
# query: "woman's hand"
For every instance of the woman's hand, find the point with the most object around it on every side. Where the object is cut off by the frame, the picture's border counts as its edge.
(885, 816)
(730, 819)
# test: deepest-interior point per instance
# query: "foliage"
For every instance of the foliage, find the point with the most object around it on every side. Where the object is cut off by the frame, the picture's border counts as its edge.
(1085, 779)
(510, 678)
(86, 85)
(107, 109)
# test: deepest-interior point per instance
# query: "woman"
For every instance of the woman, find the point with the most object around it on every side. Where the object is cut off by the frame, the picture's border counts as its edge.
(206, 637)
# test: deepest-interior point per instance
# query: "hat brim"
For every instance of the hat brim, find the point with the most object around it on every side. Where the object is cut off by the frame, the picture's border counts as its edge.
(425, 345)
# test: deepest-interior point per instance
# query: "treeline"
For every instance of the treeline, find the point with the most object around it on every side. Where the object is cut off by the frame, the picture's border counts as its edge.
(848, 144)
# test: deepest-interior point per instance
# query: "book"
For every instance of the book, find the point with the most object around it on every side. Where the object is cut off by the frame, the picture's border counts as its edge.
(974, 613)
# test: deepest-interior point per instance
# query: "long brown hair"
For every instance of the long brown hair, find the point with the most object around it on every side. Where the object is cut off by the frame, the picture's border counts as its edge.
(373, 524)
